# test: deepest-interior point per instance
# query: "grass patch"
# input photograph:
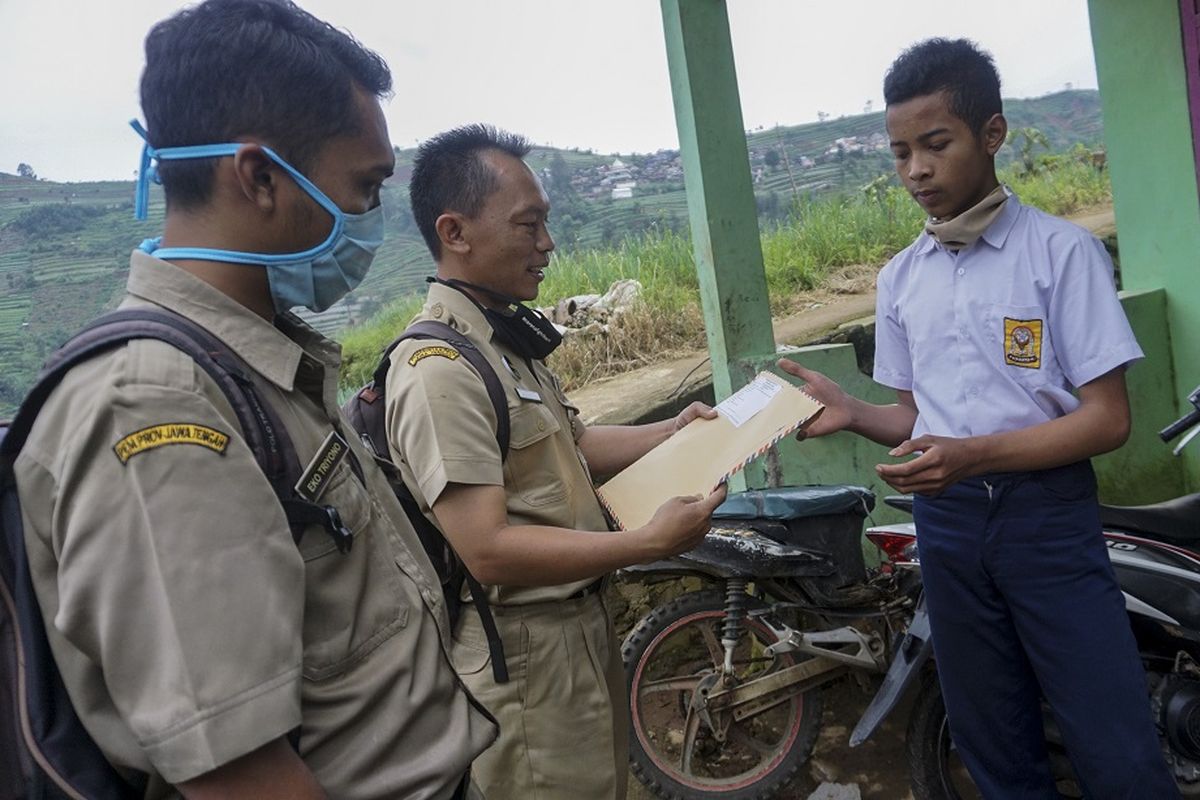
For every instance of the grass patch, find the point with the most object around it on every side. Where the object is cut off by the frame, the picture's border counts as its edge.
(363, 344)
(644, 335)
(1069, 187)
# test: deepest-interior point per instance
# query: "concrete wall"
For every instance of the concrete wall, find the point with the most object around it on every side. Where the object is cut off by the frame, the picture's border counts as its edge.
(1143, 471)
(1148, 135)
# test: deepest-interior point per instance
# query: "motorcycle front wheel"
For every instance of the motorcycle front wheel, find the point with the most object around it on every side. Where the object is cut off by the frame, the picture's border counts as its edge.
(672, 750)
(935, 769)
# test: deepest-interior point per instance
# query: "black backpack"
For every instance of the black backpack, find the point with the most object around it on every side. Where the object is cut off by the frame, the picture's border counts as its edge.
(366, 412)
(45, 752)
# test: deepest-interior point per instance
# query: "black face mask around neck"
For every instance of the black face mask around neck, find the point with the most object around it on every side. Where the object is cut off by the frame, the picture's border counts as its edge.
(526, 330)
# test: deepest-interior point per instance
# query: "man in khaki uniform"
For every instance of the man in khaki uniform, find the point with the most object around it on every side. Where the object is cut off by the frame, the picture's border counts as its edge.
(194, 635)
(528, 526)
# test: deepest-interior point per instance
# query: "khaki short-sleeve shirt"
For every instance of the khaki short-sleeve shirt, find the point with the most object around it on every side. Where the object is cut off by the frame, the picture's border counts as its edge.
(442, 430)
(189, 626)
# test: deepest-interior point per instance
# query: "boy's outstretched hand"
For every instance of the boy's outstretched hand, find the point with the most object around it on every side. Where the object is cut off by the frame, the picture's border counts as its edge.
(836, 415)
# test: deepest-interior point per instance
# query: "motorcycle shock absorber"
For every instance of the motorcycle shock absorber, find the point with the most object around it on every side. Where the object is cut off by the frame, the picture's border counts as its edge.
(736, 601)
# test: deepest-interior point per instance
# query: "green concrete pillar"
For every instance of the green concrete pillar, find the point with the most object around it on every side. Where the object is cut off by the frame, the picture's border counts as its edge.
(1148, 134)
(716, 168)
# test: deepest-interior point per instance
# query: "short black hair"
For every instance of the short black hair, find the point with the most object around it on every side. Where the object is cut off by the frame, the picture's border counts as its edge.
(449, 174)
(262, 68)
(955, 66)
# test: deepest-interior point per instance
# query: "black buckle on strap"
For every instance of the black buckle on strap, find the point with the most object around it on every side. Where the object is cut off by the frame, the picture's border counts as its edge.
(301, 513)
(337, 530)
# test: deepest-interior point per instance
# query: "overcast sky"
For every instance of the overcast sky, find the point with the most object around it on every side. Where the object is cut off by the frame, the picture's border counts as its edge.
(563, 72)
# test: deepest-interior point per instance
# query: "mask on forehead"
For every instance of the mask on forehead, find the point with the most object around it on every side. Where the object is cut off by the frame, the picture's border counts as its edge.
(315, 278)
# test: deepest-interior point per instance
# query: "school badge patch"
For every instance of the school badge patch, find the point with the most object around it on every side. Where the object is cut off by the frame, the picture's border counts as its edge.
(433, 350)
(171, 433)
(1023, 342)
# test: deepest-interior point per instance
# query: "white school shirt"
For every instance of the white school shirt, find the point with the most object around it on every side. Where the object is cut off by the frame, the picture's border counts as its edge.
(995, 337)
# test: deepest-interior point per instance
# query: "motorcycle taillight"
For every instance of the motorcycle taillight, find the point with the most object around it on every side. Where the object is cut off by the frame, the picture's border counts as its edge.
(899, 546)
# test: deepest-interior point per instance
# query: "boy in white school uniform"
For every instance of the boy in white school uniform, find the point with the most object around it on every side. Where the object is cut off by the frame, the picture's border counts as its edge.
(1000, 329)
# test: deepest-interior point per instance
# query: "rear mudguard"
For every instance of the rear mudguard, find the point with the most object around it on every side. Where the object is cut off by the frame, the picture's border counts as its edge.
(914, 650)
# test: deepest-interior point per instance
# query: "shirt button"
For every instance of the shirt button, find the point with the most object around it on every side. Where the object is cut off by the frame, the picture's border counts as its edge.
(541, 425)
(973, 391)
(436, 311)
(961, 271)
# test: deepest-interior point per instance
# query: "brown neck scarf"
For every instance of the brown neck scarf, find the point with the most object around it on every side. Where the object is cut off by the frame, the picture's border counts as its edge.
(962, 231)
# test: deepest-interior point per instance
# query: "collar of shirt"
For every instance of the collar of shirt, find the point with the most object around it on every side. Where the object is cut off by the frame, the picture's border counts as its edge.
(271, 351)
(458, 311)
(995, 235)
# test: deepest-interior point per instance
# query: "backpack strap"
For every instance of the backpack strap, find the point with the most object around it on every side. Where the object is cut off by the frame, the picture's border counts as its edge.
(431, 329)
(368, 416)
(495, 645)
(264, 433)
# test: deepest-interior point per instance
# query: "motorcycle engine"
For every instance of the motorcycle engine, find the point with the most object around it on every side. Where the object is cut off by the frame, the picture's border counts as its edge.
(1176, 704)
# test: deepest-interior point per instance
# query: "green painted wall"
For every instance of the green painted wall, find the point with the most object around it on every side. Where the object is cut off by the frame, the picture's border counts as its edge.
(1147, 131)
(1143, 471)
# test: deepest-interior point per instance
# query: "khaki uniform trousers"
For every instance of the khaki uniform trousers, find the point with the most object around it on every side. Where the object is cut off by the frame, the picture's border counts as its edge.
(564, 713)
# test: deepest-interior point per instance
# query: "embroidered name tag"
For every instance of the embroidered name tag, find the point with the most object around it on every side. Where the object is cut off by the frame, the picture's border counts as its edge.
(1023, 342)
(313, 482)
(170, 433)
(433, 350)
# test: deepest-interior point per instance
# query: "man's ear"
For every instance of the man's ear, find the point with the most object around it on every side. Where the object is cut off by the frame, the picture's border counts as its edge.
(451, 233)
(256, 176)
(994, 132)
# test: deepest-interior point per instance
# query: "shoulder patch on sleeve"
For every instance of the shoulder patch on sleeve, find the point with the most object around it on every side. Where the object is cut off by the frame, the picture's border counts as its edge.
(170, 433)
(433, 350)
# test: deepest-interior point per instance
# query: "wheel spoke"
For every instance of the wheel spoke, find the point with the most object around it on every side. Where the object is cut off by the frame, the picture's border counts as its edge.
(715, 650)
(691, 728)
(681, 683)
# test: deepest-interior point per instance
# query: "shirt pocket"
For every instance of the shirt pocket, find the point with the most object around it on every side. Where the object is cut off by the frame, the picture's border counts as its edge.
(353, 601)
(530, 468)
(1020, 340)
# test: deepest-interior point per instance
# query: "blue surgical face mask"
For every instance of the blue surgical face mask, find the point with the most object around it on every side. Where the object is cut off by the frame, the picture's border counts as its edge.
(316, 278)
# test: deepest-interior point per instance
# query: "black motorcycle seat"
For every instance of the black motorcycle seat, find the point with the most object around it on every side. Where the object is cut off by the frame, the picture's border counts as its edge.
(1174, 521)
(796, 502)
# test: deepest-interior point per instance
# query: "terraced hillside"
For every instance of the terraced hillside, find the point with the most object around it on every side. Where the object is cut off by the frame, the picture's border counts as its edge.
(64, 248)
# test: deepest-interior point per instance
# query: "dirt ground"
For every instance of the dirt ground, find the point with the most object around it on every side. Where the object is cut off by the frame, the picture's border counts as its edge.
(877, 767)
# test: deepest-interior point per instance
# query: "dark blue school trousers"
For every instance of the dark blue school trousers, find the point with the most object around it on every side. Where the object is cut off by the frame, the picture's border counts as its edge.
(1023, 603)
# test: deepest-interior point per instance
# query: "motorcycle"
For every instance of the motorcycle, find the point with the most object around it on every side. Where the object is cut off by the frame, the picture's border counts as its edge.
(725, 682)
(1155, 553)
